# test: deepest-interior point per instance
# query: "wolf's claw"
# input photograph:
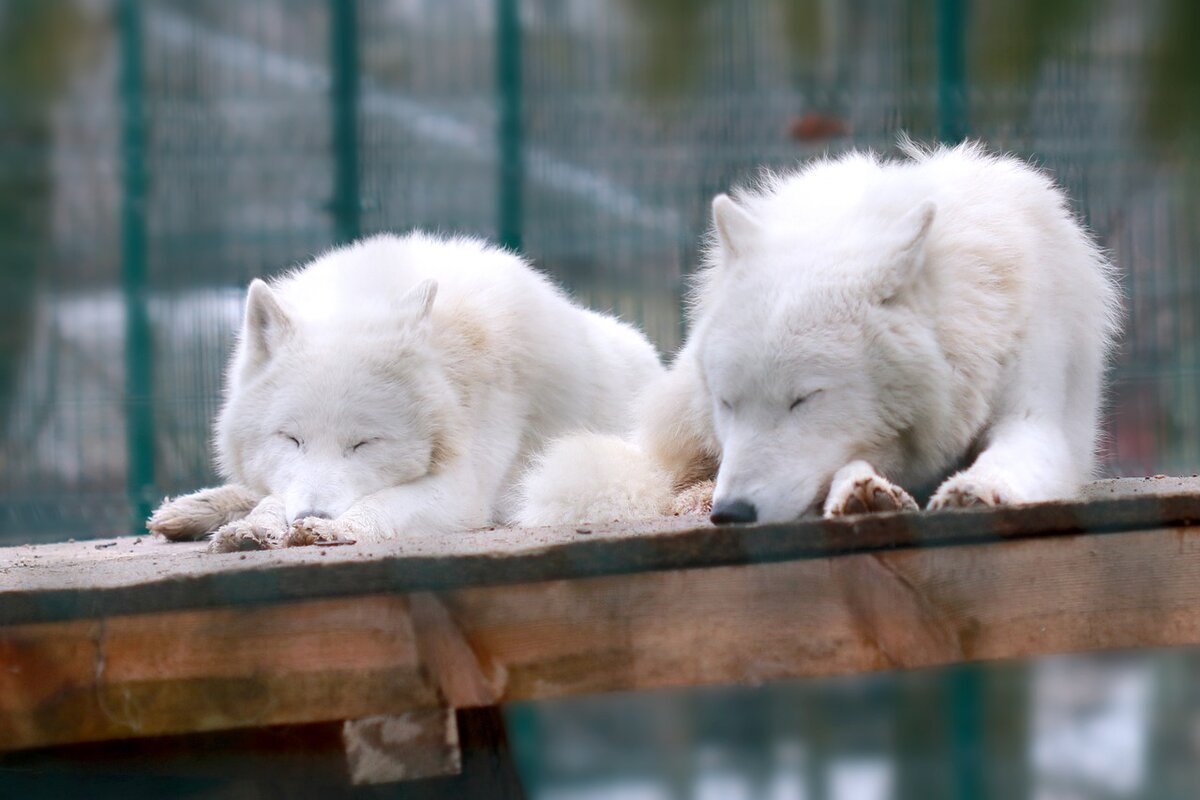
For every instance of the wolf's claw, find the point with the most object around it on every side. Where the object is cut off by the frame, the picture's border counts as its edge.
(858, 489)
(966, 491)
(245, 535)
(315, 530)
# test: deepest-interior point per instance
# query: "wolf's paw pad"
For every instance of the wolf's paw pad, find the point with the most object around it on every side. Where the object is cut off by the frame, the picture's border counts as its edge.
(317, 530)
(695, 499)
(964, 492)
(245, 535)
(868, 495)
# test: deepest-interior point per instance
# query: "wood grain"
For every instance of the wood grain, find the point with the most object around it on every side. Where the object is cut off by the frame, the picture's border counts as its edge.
(184, 672)
(452, 664)
(842, 615)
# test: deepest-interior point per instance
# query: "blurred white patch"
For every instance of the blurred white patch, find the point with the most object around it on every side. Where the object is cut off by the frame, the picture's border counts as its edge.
(718, 779)
(610, 790)
(787, 779)
(1090, 726)
(861, 779)
(722, 786)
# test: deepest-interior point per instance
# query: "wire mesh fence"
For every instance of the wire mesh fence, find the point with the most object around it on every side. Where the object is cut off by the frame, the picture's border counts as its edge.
(155, 156)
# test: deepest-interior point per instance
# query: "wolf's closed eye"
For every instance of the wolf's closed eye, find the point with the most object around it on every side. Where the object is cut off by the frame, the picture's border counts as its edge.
(363, 443)
(800, 400)
(290, 438)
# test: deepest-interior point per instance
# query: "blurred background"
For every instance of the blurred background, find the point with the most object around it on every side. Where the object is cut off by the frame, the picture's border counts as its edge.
(154, 156)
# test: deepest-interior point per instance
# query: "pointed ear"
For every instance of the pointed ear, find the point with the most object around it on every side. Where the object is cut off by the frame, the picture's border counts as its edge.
(736, 229)
(417, 303)
(266, 325)
(904, 243)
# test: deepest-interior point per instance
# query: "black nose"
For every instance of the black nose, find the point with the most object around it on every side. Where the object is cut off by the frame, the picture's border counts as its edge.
(728, 511)
(312, 512)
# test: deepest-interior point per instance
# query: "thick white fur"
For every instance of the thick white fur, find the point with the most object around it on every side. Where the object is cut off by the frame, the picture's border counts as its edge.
(562, 487)
(937, 312)
(448, 363)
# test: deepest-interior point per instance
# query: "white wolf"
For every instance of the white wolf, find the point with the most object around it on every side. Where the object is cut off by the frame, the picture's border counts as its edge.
(863, 329)
(401, 385)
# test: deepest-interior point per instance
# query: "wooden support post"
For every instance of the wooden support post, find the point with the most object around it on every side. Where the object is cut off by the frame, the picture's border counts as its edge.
(487, 764)
(402, 747)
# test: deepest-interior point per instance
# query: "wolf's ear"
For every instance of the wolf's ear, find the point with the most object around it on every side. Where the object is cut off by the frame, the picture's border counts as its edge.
(736, 229)
(416, 305)
(266, 325)
(904, 243)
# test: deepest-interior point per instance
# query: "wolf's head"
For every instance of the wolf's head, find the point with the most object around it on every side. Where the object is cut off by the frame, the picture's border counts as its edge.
(808, 353)
(322, 413)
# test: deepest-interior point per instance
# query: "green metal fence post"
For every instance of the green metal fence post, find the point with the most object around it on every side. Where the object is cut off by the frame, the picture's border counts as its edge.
(344, 88)
(522, 720)
(139, 356)
(963, 683)
(511, 173)
(951, 70)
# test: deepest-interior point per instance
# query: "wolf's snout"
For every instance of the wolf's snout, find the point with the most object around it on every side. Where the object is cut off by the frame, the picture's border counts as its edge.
(312, 512)
(729, 511)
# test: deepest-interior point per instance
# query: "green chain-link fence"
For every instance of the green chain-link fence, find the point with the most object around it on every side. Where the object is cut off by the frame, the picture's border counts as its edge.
(156, 155)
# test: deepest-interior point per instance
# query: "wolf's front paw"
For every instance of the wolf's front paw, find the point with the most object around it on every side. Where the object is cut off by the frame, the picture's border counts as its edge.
(968, 491)
(859, 489)
(246, 534)
(318, 530)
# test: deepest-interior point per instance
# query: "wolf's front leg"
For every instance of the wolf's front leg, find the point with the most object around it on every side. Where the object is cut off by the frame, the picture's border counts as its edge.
(193, 516)
(1025, 461)
(858, 489)
(450, 500)
(264, 528)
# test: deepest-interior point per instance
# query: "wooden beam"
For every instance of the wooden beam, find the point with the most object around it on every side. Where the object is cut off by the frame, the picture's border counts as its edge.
(191, 671)
(842, 615)
(452, 663)
(130, 575)
(174, 672)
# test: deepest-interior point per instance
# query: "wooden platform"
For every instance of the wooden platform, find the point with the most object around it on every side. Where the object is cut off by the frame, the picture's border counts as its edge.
(134, 637)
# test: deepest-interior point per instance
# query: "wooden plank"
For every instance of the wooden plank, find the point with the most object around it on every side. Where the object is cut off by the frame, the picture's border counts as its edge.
(173, 672)
(842, 615)
(190, 671)
(133, 575)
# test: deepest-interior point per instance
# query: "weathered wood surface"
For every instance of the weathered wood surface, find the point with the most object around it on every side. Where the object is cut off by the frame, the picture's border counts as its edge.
(761, 609)
(129, 575)
(213, 669)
